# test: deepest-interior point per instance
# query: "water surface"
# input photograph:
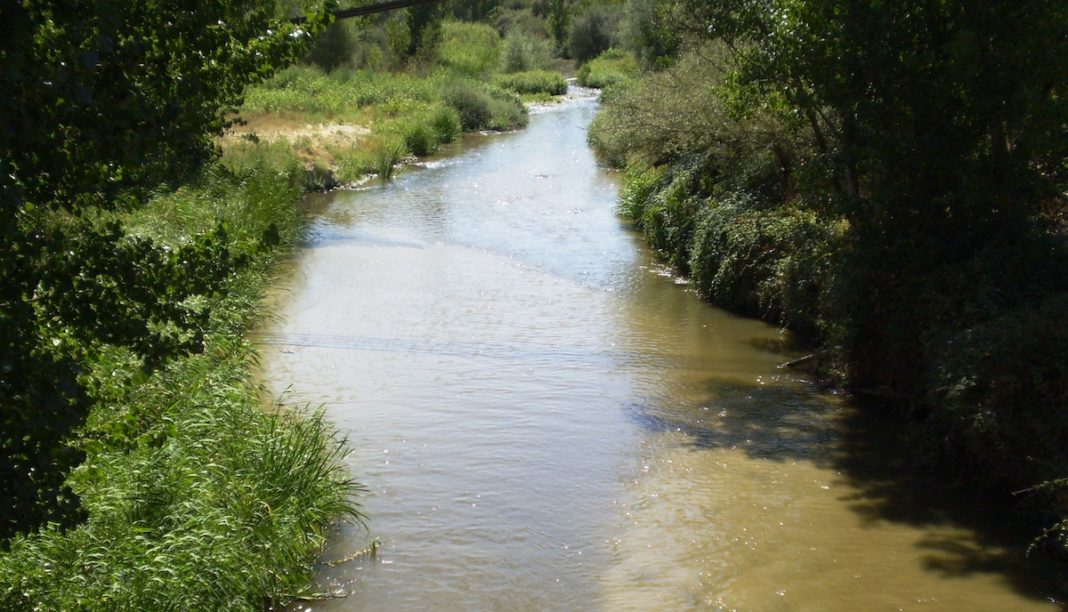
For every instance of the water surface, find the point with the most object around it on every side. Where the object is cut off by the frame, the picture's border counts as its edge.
(548, 420)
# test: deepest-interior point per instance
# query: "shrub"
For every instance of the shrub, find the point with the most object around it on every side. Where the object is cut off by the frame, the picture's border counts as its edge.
(386, 152)
(470, 48)
(333, 47)
(523, 53)
(533, 82)
(506, 110)
(515, 20)
(446, 123)
(420, 139)
(611, 67)
(593, 32)
(639, 186)
(1002, 387)
(485, 108)
(776, 263)
(472, 105)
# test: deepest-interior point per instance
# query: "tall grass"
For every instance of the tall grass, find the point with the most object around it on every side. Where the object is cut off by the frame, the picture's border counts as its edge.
(198, 497)
(469, 48)
(421, 112)
(611, 67)
(533, 82)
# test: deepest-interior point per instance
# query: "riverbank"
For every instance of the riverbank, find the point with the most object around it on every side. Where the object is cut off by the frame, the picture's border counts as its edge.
(548, 420)
(345, 124)
(150, 521)
(190, 489)
(962, 337)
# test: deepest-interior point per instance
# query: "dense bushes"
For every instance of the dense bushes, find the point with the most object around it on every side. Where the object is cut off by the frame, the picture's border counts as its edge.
(611, 67)
(533, 82)
(861, 183)
(774, 262)
(593, 32)
(470, 48)
(485, 108)
(180, 465)
(523, 52)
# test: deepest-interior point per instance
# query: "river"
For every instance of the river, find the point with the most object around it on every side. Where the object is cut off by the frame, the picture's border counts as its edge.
(547, 419)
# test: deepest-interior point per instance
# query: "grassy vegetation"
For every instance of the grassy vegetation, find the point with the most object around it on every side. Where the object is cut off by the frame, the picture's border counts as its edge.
(611, 67)
(194, 492)
(141, 468)
(457, 85)
(533, 82)
(469, 48)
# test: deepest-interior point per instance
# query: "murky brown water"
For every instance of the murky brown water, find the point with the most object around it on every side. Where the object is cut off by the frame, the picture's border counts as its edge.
(547, 420)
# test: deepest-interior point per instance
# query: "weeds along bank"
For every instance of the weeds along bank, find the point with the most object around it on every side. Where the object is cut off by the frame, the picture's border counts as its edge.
(871, 188)
(190, 490)
(139, 467)
(365, 115)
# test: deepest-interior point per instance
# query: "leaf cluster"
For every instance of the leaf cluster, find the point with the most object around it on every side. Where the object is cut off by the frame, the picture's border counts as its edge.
(101, 103)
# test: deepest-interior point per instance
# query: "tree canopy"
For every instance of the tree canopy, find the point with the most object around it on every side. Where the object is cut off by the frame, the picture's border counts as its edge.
(101, 102)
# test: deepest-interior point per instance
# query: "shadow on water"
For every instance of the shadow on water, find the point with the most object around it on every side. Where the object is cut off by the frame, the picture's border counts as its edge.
(893, 486)
(788, 420)
(767, 422)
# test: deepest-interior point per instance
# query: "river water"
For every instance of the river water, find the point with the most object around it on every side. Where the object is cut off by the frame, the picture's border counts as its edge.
(547, 419)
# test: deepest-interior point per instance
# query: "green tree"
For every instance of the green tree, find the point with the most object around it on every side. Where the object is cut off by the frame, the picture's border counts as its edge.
(424, 26)
(943, 128)
(102, 101)
(593, 32)
(559, 17)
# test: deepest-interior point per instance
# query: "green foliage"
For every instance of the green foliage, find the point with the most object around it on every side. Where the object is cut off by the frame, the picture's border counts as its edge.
(481, 107)
(446, 124)
(473, 10)
(123, 301)
(649, 33)
(523, 53)
(607, 69)
(92, 107)
(470, 48)
(1001, 388)
(522, 20)
(773, 263)
(377, 44)
(883, 176)
(420, 139)
(424, 27)
(190, 490)
(340, 95)
(386, 153)
(333, 47)
(593, 32)
(472, 104)
(195, 494)
(559, 18)
(533, 82)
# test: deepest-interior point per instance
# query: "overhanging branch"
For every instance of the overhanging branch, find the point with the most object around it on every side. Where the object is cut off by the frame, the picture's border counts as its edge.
(370, 9)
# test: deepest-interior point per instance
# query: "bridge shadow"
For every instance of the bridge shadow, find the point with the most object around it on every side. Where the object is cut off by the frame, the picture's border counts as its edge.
(786, 419)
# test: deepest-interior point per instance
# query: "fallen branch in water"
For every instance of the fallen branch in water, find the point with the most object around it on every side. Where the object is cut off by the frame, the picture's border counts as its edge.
(803, 360)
